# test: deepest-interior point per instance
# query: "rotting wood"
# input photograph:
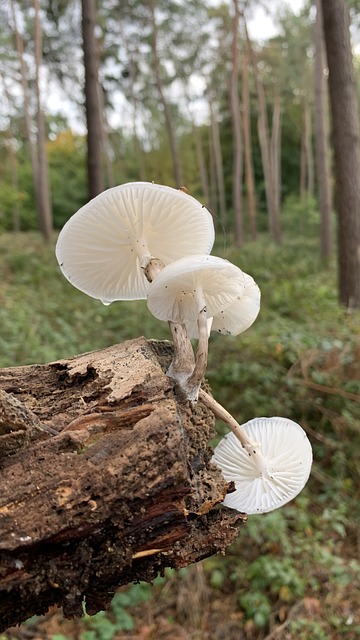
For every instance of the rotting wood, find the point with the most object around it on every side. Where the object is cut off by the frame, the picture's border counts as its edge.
(125, 488)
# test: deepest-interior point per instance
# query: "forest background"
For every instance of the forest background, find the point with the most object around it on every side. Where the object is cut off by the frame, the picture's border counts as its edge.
(178, 93)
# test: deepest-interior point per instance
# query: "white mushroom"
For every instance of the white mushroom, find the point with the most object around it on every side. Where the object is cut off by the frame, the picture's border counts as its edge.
(189, 284)
(106, 247)
(264, 483)
(236, 318)
(191, 291)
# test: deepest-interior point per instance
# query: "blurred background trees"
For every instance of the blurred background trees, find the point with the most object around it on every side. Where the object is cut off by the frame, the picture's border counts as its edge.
(178, 93)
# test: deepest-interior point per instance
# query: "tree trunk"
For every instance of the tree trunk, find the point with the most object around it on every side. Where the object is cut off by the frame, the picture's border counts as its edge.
(13, 163)
(105, 144)
(167, 113)
(212, 172)
(302, 177)
(34, 160)
(263, 130)
(321, 137)
(249, 168)
(42, 177)
(275, 152)
(92, 100)
(218, 161)
(16, 222)
(139, 152)
(309, 156)
(237, 173)
(199, 151)
(346, 142)
(105, 479)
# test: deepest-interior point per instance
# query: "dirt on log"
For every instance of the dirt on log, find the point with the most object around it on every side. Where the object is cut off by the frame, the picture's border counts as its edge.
(105, 479)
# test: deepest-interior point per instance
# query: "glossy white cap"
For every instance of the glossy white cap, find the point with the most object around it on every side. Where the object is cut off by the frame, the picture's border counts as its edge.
(287, 458)
(183, 287)
(103, 248)
(239, 316)
(242, 313)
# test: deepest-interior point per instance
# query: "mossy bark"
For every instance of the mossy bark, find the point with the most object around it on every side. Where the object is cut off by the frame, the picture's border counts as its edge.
(105, 479)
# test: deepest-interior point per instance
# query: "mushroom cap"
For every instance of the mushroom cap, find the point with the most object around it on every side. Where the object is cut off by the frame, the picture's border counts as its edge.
(239, 316)
(288, 459)
(102, 248)
(174, 294)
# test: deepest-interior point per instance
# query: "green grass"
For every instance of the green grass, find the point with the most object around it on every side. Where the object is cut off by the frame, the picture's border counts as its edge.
(300, 359)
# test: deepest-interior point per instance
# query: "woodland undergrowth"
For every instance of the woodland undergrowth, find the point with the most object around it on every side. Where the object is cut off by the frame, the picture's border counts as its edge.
(292, 574)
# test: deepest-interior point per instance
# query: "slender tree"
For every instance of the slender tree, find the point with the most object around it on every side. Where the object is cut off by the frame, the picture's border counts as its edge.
(249, 168)
(25, 93)
(92, 100)
(213, 191)
(12, 161)
(130, 74)
(321, 136)
(36, 142)
(42, 177)
(159, 85)
(236, 125)
(275, 150)
(217, 158)
(309, 154)
(265, 147)
(199, 151)
(346, 142)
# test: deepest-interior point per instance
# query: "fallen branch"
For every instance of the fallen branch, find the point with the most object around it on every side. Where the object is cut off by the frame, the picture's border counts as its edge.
(105, 479)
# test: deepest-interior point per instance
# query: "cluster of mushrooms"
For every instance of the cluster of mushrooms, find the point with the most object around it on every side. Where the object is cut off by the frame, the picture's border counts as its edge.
(142, 240)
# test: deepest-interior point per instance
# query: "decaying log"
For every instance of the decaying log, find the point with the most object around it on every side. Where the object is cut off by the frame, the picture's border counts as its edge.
(105, 479)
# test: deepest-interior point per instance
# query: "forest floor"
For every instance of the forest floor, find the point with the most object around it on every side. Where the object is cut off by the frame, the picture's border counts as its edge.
(293, 574)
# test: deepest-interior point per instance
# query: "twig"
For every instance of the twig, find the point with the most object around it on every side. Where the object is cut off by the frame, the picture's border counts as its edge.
(324, 389)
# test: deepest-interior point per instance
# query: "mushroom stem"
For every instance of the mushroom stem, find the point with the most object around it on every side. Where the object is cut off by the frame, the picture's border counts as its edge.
(194, 382)
(183, 362)
(252, 448)
(152, 268)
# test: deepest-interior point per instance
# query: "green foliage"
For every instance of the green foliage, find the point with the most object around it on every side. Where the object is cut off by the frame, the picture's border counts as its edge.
(280, 557)
(105, 625)
(300, 216)
(302, 338)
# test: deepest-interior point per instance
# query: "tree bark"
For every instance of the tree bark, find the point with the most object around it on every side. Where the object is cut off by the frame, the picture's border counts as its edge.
(105, 479)
(236, 126)
(321, 137)
(346, 143)
(92, 100)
